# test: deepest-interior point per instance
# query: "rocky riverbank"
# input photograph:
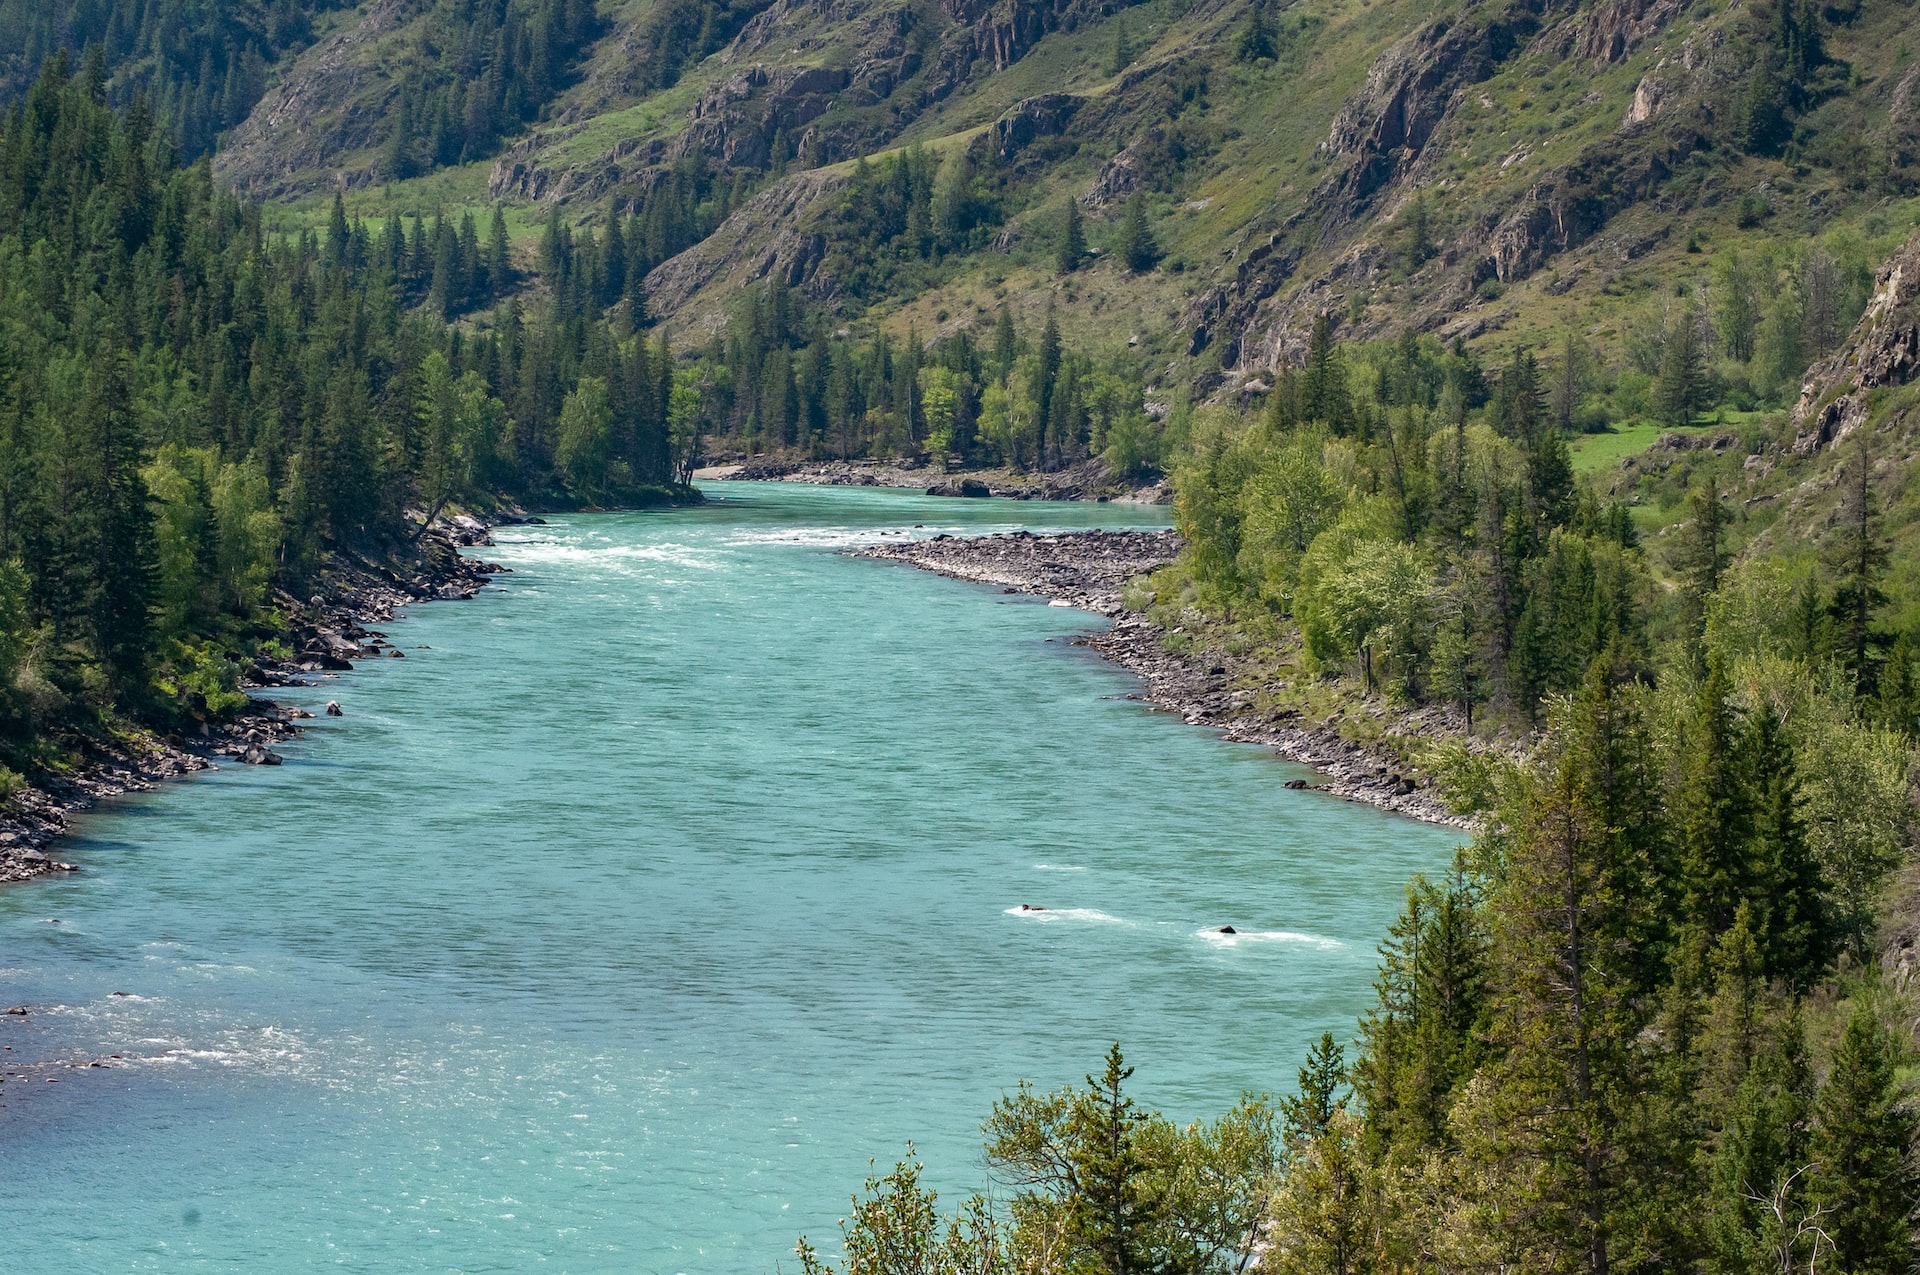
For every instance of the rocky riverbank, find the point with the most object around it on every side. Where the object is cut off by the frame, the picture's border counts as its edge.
(1207, 687)
(1086, 480)
(327, 633)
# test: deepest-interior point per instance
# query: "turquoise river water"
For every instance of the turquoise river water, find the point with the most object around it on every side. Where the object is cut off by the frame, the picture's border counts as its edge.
(617, 927)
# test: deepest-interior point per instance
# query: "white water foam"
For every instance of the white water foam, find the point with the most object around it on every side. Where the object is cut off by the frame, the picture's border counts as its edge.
(1066, 914)
(1058, 867)
(1217, 939)
(839, 537)
(622, 558)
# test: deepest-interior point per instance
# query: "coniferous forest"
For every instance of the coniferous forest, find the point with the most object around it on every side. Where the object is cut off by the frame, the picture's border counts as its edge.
(197, 412)
(1538, 414)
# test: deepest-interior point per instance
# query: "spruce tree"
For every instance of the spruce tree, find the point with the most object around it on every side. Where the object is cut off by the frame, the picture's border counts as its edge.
(1006, 343)
(1801, 936)
(1681, 387)
(1713, 816)
(1306, 1114)
(1577, 928)
(1863, 1143)
(1701, 559)
(1044, 382)
(1137, 246)
(1073, 240)
(1324, 397)
(1110, 1212)
(1858, 557)
(1256, 38)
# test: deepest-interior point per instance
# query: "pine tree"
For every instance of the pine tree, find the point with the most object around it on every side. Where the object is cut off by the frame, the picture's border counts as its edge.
(1137, 246)
(1863, 1143)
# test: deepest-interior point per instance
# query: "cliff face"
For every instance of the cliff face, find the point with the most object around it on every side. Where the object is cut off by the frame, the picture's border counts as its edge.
(1459, 167)
(332, 102)
(1883, 353)
(813, 84)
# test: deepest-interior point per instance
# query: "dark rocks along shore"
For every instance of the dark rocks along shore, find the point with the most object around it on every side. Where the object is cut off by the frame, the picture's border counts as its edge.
(328, 632)
(1090, 570)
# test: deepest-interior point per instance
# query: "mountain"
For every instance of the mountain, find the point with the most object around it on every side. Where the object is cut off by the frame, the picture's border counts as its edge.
(1464, 168)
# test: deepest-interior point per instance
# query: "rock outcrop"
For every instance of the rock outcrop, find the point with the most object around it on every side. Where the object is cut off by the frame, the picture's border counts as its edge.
(1883, 352)
(331, 102)
(772, 233)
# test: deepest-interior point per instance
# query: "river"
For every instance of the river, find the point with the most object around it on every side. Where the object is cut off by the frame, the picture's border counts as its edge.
(657, 890)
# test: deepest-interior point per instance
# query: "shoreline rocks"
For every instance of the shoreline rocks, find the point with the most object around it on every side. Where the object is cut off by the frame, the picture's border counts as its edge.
(327, 633)
(1090, 570)
(1085, 480)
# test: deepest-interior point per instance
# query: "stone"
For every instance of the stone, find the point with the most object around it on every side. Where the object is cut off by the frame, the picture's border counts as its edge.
(1227, 929)
(333, 709)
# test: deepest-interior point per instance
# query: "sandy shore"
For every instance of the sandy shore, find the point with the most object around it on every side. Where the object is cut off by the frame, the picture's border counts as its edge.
(328, 633)
(1090, 570)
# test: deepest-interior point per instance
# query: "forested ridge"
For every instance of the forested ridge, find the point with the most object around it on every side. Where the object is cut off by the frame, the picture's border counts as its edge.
(1645, 1022)
(195, 413)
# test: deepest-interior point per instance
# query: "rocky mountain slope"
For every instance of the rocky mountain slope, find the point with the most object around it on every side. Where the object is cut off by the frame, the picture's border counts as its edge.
(1501, 171)
(1464, 168)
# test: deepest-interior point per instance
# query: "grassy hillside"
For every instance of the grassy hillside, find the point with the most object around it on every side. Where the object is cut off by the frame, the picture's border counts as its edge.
(1503, 172)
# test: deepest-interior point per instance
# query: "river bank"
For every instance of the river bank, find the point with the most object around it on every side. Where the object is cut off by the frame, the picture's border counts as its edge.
(327, 633)
(1206, 684)
(1091, 479)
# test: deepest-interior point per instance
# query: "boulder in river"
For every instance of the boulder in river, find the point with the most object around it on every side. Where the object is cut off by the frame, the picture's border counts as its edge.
(333, 708)
(1227, 929)
(260, 755)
